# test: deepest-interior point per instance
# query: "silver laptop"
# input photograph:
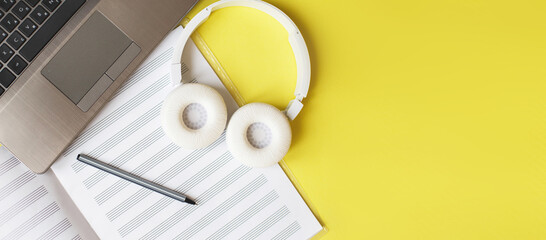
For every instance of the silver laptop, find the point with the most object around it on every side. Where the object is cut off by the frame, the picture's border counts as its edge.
(60, 61)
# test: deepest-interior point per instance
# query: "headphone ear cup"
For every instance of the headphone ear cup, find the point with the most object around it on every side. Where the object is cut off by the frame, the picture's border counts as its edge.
(193, 115)
(258, 135)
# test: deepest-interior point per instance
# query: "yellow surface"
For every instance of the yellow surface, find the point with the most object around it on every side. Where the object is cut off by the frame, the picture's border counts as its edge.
(425, 119)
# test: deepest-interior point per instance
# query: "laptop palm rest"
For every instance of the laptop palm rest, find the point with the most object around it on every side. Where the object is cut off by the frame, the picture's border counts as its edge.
(90, 61)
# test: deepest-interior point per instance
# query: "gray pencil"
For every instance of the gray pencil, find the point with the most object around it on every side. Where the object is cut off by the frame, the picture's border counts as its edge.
(134, 179)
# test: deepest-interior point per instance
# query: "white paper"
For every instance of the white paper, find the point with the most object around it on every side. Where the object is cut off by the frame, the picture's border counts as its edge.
(234, 201)
(35, 206)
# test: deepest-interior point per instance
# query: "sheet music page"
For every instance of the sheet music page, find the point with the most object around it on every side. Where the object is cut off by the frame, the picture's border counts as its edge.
(35, 206)
(234, 201)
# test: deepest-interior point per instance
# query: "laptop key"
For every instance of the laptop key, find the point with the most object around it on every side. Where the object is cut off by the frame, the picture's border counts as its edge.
(16, 40)
(5, 53)
(51, 4)
(9, 22)
(1, 91)
(28, 27)
(32, 2)
(17, 65)
(39, 14)
(3, 35)
(21, 10)
(6, 77)
(6, 4)
(2, 14)
(50, 28)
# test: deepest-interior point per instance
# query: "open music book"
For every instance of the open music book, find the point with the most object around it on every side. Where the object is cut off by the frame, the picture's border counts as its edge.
(74, 201)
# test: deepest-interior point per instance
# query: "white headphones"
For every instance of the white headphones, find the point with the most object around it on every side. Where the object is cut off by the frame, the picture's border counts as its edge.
(194, 115)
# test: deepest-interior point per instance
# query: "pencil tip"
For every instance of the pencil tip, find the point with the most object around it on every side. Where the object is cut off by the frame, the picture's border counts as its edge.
(190, 201)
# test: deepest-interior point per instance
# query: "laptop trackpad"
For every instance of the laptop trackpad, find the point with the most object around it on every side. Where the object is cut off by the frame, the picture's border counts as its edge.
(89, 62)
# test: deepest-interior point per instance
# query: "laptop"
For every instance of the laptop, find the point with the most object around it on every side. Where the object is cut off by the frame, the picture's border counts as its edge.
(61, 60)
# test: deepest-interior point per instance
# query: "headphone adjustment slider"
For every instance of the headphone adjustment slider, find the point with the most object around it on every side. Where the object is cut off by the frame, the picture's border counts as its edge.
(176, 74)
(293, 109)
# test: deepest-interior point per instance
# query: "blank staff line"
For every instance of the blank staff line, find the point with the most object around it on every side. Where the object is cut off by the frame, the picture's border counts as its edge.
(194, 156)
(222, 208)
(126, 131)
(33, 221)
(288, 231)
(156, 159)
(184, 187)
(130, 226)
(111, 191)
(16, 184)
(8, 165)
(266, 224)
(121, 135)
(77, 237)
(119, 185)
(127, 204)
(143, 71)
(174, 170)
(186, 210)
(22, 204)
(117, 114)
(125, 157)
(203, 198)
(244, 216)
(184, 68)
(205, 172)
(56, 230)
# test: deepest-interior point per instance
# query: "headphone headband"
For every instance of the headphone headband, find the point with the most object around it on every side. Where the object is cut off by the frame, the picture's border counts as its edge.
(294, 38)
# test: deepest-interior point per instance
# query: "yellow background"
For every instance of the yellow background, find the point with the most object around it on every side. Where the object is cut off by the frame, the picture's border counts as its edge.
(425, 119)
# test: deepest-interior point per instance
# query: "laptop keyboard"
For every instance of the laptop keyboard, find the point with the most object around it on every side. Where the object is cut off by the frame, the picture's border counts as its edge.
(26, 26)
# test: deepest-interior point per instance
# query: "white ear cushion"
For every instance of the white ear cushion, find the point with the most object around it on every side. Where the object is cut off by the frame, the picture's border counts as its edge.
(172, 115)
(263, 116)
